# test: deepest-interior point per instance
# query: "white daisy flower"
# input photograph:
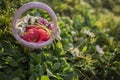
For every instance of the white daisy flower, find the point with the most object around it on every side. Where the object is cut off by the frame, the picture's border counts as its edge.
(20, 31)
(27, 18)
(32, 20)
(75, 52)
(99, 49)
(87, 32)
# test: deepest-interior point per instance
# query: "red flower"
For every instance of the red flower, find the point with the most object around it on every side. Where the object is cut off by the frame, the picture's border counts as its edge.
(36, 34)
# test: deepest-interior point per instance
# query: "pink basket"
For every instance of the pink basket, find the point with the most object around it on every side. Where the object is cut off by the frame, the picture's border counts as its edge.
(30, 5)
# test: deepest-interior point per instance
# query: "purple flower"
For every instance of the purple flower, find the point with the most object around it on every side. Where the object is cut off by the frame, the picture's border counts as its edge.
(43, 21)
(49, 25)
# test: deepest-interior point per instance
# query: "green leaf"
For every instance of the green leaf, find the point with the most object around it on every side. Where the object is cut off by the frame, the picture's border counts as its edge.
(14, 63)
(20, 59)
(37, 78)
(84, 49)
(49, 73)
(16, 78)
(59, 45)
(39, 58)
(56, 66)
(44, 77)
(31, 77)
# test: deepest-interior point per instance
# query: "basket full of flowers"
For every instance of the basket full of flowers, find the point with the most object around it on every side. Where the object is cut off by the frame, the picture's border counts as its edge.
(35, 31)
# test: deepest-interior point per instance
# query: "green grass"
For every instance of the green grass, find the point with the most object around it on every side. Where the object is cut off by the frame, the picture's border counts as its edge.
(74, 57)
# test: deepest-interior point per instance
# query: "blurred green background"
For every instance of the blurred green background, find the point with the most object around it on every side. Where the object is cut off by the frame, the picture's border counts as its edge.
(89, 48)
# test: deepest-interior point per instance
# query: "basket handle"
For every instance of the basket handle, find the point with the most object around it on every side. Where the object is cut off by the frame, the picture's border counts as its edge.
(26, 7)
(31, 5)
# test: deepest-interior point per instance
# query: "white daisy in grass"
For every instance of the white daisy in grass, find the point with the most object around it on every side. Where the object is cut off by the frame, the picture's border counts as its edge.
(76, 52)
(99, 49)
(87, 32)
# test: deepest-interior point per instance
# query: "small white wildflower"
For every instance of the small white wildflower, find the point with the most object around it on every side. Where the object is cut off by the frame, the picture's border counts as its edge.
(99, 49)
(38, 20)
(87, 32)
(37, 17)
(75, 52)
(23, 25)
(20, 31)
(26, 18)
(32, 21)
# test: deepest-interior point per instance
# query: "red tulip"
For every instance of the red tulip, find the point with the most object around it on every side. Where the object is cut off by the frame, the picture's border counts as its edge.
(36, 34)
